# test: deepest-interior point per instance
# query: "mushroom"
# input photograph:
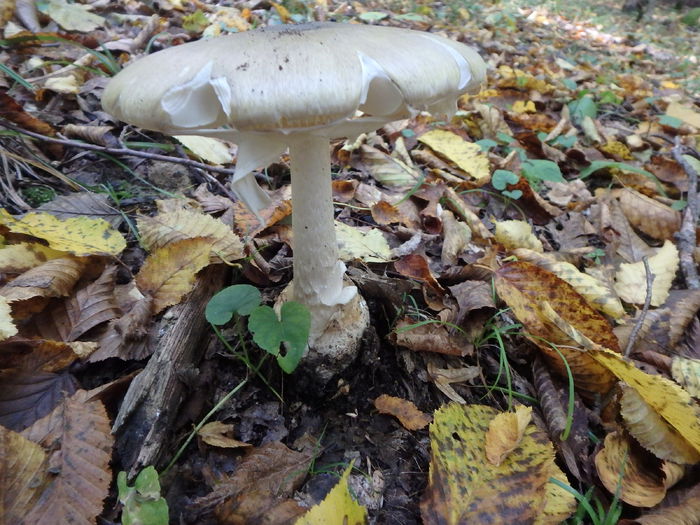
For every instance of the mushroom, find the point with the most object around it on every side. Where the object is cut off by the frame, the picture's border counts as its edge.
(297, 87)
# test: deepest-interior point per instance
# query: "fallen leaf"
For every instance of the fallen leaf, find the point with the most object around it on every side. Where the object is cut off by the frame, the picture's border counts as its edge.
(505, 432)
(403, 410)
(217, 433)
(466, 155)
(363, 244)
(517, 234)
(7, 327)
(208, 149)
(631, 281)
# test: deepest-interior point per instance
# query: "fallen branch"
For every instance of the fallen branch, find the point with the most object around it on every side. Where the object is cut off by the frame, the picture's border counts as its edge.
(686, 236)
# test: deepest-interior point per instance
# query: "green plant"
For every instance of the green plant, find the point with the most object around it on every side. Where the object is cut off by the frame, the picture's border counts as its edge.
(598, 515)
(38, 195)
(142, 503)
(269, 332)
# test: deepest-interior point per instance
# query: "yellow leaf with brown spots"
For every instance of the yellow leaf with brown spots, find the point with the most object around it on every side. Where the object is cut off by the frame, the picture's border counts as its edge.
(18, 258)
(403, 410)
(652, 431)
(517, 234)
(76, 235)
(524, 287)
(464, 487)
(467, 156)
(337, 508)
(505, 432)
(169, 272)
(598, 295)
(559, 503)
(631, 280)
(621, 469)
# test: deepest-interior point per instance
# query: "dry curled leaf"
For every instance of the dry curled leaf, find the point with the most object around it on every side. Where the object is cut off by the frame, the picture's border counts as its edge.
(505, 432)
(403, 410)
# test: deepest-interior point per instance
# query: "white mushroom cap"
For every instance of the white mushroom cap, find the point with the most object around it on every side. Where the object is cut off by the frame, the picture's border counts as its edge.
(285, 79)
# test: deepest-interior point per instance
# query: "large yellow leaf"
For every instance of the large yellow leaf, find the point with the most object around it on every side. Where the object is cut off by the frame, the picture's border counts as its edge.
(598, 295)
(559, 503)
(207, 148)
(666, 397)
(77, 235)
(623, 471)
(464, 487)
(169, 272)
(367, 244)
(525, 287)
(630, 280)
(337, 508)
(170, 226)
(18, 258)
(467, 156)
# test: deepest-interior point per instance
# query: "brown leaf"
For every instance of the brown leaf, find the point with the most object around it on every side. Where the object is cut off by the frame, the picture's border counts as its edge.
(650, 216)
(524, 286)
(14, 112)
(384, 213)
(430, 337)
(684, 511)
(78, 433)
(23, 475)
(217, 433)
(26, 397)
(416, 267)
(403, 410)
(457, 237)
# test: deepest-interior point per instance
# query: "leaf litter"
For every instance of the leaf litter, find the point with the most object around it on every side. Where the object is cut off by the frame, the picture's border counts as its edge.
(529, 265)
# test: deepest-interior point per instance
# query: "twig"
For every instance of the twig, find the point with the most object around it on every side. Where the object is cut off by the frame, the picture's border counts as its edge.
(642, 316)
(686, 235)
(120, 151)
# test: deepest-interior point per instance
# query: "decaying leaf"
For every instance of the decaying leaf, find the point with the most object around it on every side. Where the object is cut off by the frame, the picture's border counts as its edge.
(403, 410)
(430, 337)
(7, 326)
(207, 148)
(81, 465)
(444, 377)
(463, 486)
(622, 471)
(631, 281)
(169, 272)
(18, 258)
(684, 510)
(457, 236)
(596, 292)
(524, 287)
(505, 432)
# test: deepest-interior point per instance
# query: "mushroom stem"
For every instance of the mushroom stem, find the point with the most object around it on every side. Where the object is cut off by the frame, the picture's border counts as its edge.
(318, 274)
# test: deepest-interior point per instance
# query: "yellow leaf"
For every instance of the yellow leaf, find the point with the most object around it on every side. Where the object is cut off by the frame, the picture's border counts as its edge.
(337, 508)
(18, 258)
(666, 397)
(7, 327)
(466, 155)
(597, 294)
(520, 106)
(169, 272)
(517, 234)
(652, 432)
(686, 371)
(505, 432)
(367, 244)
(207, 148)
(630, 279)
(559, 503)
(217, 433)
(171, 226)
(620, 470)
(463, 486)
(66, 85)
(77, 235)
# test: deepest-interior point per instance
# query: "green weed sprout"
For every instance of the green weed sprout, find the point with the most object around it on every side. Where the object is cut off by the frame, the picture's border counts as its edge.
(142, 502)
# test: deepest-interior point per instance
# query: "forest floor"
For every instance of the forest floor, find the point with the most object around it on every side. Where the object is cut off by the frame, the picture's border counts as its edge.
(576, 164)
